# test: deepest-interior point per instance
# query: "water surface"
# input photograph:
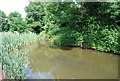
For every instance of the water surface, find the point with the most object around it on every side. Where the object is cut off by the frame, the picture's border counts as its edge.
(71, 62)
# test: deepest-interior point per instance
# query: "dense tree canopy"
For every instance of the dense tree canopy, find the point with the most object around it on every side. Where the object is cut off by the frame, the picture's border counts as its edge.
(34, 17)
(93, 25)
(89, 25)
(16, 22)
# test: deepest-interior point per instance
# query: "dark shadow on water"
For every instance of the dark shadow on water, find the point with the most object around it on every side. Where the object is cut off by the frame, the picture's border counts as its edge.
(68, 47)
(54, 46)
(61, 47)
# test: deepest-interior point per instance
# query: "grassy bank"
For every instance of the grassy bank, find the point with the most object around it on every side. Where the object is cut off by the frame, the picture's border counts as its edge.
(14, 63)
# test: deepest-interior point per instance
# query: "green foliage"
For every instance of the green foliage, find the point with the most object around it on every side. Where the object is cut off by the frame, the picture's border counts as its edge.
(16, 23)
(68, 37)
(13, 59)
(34, 16)
(3, 22)
(93, 25)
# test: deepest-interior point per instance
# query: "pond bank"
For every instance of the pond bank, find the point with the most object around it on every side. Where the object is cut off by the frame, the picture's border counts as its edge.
(49, 43)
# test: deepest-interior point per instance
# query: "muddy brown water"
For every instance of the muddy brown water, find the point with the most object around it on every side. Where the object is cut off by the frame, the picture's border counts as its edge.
(71, 62)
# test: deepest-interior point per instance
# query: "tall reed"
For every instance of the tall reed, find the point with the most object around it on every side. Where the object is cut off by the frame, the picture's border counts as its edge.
(14, 63)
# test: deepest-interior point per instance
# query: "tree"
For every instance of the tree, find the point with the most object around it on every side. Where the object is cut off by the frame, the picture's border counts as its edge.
(34, 17)
(16, 22)
(91, 25)
(3, 22)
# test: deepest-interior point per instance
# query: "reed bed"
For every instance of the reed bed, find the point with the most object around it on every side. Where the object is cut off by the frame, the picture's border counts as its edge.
(14, 63)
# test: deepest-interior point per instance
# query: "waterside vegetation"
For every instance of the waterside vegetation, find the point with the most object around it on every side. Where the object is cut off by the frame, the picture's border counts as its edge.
(90, 25)
(15, 63)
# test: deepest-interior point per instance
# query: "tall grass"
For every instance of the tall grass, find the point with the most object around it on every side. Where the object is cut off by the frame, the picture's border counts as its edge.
(14, 63)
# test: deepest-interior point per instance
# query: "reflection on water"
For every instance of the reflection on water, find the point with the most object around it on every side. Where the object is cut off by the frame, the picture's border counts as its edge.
(71, 63)
(38, 75)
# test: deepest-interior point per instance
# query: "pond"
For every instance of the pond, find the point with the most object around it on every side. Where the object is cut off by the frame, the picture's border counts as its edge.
(71, 63)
